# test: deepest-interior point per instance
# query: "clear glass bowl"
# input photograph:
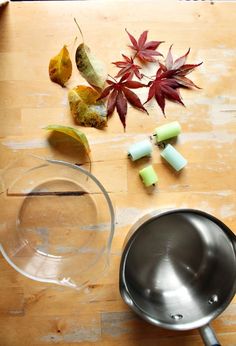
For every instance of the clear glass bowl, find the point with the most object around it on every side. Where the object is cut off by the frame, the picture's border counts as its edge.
(57, 222)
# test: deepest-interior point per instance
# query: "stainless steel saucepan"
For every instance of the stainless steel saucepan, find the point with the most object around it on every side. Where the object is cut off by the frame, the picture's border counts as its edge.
(178, 270)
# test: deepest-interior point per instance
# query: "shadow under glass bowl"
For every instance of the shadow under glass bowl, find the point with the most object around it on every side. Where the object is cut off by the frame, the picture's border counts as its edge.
(58, 222)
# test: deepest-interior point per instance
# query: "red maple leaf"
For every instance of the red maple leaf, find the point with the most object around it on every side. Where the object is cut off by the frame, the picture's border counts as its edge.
(180, 69)
(144, 50)
(119, 96)
(128, 66)
(162, 88)
(169, 78)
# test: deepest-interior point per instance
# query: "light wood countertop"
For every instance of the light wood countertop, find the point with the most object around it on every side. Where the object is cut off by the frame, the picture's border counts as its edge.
(34, 313)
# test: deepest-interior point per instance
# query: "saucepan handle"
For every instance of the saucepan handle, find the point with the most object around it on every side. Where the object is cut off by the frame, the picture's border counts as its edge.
(208, 336)
(234, 242)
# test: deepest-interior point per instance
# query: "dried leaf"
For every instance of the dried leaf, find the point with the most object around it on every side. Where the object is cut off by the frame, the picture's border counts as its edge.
(111, 103)
(169, 78)
(174, 65)
(128, 66)
(119, 94)
(72, 132)
(164, 88)
(60, 67)
(90, 68)
(121, 106)
(178, 69)
(145, 51)
(85, 108)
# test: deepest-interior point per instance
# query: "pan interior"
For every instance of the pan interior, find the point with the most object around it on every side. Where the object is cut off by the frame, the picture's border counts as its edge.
(180, 270)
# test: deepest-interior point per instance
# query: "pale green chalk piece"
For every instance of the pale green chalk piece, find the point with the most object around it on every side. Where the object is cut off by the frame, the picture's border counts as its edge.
(148, 175)
(173, 157)
(167, 131)
(140, 149)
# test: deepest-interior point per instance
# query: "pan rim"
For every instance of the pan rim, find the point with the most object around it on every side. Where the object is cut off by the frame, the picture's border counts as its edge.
(124, 288)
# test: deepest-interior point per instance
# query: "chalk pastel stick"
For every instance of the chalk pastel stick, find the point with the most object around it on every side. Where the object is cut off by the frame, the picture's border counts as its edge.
(140, 149)
(173, 157)
(148, 176)
(167, 131)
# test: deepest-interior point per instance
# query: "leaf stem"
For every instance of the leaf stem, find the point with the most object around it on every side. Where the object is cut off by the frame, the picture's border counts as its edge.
(133, 57)
(81, 33)
(90, 163)
(72, 43)
(151, 78)
(112, 78)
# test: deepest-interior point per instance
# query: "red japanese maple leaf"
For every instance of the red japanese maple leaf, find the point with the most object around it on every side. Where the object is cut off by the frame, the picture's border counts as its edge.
(180, 69)
(128, 66)
(169, 78)
(119, 96)
(164, 87)
(145, 51)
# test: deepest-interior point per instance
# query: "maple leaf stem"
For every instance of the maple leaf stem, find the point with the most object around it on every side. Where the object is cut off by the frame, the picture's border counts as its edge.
(151, 78)
(112, 78)
(135, 55)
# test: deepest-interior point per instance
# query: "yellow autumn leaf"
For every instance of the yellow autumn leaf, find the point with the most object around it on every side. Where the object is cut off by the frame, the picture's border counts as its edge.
(90, 68)
(85, 108)
(60, 67)
(72, 132)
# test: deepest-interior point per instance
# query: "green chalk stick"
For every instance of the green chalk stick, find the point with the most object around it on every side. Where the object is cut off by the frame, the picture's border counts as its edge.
(167, 131)
(148, 175)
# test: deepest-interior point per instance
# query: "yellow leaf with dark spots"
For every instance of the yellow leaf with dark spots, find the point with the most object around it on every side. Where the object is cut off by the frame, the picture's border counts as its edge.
(85, 108)
(60, 67)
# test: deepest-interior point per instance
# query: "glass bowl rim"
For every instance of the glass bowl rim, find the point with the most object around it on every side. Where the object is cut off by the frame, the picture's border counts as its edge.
(111, 212)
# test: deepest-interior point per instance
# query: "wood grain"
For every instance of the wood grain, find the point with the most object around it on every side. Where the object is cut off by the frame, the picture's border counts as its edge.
(34, 313)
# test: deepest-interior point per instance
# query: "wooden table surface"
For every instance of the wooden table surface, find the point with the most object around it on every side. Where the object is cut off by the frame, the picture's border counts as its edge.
(34, 313)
